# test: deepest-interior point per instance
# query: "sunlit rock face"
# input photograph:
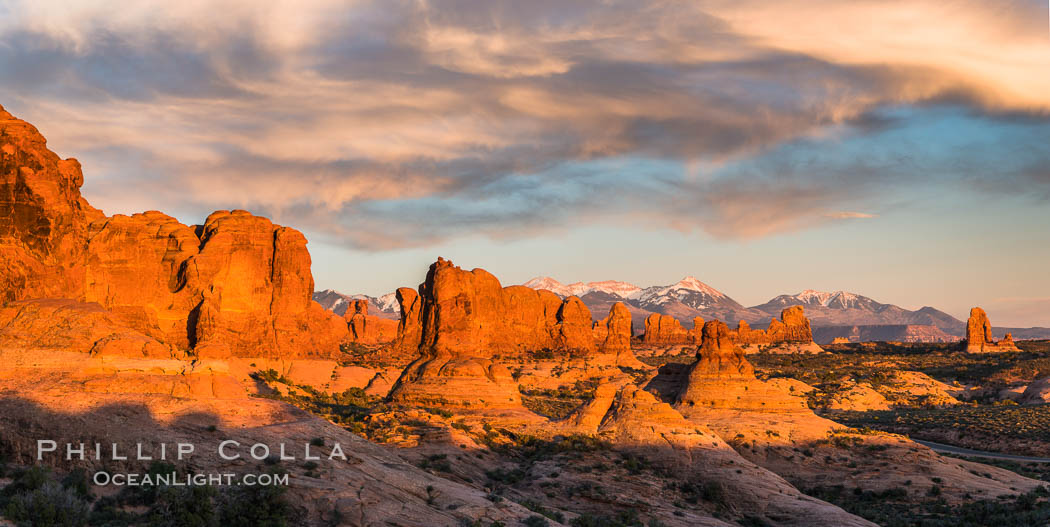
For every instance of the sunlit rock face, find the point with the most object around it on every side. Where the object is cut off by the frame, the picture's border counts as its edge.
(721, 378)
(979, 335)
(791, 333)
(236, 285)
(665, 330)
(467, 329)
(43, 218)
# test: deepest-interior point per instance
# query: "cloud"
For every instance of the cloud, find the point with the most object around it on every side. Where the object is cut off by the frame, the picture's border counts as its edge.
(394, 124)
(847, 215)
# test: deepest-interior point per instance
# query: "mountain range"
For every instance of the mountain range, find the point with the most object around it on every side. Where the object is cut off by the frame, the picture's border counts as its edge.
(385, 306)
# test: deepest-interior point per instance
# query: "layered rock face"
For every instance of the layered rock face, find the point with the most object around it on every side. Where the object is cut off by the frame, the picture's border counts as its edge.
(366, 329)
(665, 330)
(237, 285)
(979, 335)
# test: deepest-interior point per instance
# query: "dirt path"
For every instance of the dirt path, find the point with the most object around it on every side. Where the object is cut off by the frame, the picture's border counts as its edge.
(958, 450)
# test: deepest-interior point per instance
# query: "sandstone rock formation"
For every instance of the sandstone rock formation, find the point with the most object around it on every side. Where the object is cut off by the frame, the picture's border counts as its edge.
(1038, 392)
(469, 312)
(367, 329)
(467, 329)
(237, 285)
(857, 397)
(792, 333)
(43, 218)
(663, 330)
(979, 335)
(721, 378)
(636, 421)
(614, 335)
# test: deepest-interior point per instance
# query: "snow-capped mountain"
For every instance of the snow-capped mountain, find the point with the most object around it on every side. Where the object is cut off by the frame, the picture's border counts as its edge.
(622, 289)
(685, 299)
(834, 300)
(844, 308)
(689, 291)
(385, 306)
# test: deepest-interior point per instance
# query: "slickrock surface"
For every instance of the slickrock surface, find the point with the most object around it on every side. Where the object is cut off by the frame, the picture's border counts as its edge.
(237, 285)
(859, 397)
(71, 397)
(979, 335)
(636, 421)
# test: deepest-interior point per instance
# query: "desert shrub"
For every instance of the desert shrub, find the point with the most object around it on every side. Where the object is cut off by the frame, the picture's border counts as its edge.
(183, 507)
(540, 509)
(623, 519)
(49, 505)
(254, 506)
(536, 521)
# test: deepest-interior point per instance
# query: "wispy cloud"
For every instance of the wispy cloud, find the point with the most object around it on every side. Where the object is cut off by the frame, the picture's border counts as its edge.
(398, 123)
(848, 215)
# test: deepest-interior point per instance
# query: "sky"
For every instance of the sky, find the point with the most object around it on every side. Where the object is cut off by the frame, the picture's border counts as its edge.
(896, 149)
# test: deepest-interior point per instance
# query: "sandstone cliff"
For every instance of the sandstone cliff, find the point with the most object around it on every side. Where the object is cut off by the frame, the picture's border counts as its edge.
(236, 285)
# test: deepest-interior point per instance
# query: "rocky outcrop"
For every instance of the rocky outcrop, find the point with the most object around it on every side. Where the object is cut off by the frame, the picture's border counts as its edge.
(665, 330)
(792, 333)
(470, 313)
(613, 332)
(979, 335)
(367, 329)
(467, 328)
(721, 378)
(237, 285)
(857, 397)
(636, 421)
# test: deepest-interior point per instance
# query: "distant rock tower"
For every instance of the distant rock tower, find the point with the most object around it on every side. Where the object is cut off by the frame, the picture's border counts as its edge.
(979, 335)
